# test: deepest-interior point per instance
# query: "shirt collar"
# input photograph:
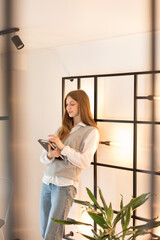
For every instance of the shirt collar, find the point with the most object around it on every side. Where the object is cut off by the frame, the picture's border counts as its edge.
(81, 124)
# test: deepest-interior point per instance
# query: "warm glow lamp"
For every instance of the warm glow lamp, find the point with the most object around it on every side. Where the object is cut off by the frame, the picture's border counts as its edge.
(151, 97)
(156, 98)
(109, 143)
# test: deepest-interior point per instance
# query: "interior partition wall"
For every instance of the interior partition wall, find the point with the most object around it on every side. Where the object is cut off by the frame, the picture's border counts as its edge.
(5, 127)
(121, 104)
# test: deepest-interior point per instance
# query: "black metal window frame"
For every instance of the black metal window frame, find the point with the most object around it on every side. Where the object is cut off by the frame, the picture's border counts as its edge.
(95, 164)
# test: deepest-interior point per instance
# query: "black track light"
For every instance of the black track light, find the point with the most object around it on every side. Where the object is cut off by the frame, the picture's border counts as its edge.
(17, 42)
(15, 39)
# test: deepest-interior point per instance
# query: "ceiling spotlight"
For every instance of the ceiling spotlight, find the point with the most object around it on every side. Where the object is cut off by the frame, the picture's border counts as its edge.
(16, 39)
(17, 42)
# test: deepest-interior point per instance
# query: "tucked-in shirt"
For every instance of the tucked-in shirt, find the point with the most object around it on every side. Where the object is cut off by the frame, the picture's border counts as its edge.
(81, 160)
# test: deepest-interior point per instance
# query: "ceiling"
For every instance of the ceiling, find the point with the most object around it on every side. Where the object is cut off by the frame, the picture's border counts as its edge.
(54, 23)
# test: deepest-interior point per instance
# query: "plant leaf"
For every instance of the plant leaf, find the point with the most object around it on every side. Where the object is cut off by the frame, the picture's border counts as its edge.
(89, 237)
(110, 213)
(85, 203)
(95, 233)
(94, 211)
(121, 207)
(134, 203)
(142, 229)
(138, 201)
(117, 218)
(70, 222)
(121, 203)
(98, 219)
(92, 197)
(127, 217)
(102, 199)
(128, 232)
(149, 225)
(140, 233)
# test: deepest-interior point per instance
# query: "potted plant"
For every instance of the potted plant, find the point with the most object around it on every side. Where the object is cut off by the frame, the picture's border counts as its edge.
(104, 218)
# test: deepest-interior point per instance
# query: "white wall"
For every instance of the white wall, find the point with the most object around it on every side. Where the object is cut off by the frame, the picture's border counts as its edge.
(37, 105)
(37, 111)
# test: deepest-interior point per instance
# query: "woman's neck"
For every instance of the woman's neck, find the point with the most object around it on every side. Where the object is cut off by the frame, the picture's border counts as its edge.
(76, 120)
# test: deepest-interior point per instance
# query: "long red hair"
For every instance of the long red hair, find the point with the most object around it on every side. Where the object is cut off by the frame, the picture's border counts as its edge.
(82, 98)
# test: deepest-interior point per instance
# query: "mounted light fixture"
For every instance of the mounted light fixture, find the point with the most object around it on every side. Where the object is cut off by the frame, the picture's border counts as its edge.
(109, 143)
(17, 42)
(157, 98)
(149, 97)
(15, 39)
(71, 79)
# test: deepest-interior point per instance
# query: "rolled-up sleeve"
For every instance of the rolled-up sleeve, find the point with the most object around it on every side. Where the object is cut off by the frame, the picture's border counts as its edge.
(83, 159)
(44, 159)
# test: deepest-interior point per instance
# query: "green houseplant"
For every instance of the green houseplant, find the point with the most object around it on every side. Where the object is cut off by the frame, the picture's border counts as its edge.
(104, 218)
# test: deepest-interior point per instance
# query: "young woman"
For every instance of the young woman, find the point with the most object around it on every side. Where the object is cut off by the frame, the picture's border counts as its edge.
(77, 141)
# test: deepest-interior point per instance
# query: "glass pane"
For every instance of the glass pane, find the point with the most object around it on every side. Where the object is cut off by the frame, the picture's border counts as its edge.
(121, 151)
(144, 110)
(3, 148)
(144, 146)
(144, 186)
(5, 196)
(70, 85)
(115, 97)
(157, 94)
(157, 148)
(144, 87)
(87, 84)
(3, 106)
(113, 183)
(157, 198)
(157, 110)
(145, 105)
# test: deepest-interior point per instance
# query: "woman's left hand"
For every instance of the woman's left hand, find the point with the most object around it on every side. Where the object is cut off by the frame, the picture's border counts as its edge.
(57, 141)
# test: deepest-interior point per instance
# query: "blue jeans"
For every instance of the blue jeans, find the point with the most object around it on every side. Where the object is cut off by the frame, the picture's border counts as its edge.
(55, 202)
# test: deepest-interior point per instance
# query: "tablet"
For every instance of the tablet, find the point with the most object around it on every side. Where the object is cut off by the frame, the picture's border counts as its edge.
(45, 144)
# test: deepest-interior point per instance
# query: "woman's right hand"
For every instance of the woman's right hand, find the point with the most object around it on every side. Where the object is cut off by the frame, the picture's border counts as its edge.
(53, 153)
